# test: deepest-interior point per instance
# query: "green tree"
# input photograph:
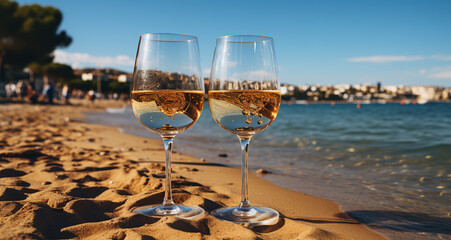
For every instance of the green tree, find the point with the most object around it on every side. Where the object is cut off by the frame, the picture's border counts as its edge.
(118, 87)
(35, 69)
(29, 34)
(8, 27)
(57, 71)
(77, 83)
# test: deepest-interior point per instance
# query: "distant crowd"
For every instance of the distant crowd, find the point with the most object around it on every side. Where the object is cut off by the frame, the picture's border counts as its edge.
(23, 91)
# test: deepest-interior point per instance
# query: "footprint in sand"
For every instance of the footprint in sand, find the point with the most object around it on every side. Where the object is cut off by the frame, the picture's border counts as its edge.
(87, 178)
(86, 192)
(9, 172)
(29, 153)
(91, 210)
(11, 194)
(14, 182)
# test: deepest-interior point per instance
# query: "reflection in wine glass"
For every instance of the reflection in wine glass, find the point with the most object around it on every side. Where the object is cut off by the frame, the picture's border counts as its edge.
(244, 99)
(167, 98)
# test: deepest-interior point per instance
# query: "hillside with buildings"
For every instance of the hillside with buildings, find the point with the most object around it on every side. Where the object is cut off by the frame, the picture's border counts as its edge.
(365, 92)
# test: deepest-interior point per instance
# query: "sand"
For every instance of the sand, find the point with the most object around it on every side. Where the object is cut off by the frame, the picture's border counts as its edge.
(61, 178)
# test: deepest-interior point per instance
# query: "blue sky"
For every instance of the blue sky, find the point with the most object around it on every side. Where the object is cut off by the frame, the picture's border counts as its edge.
(317, 42)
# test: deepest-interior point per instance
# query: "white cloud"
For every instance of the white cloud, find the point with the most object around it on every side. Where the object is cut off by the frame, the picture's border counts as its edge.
(206, 72)
(253, 75)
(443, 72)
(383, 59)
(84, 59)
(441, 75)
(232, 63)
(441, 57)
(192, 69)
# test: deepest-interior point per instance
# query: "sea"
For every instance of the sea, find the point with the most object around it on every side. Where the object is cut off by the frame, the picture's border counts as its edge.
(386, 165)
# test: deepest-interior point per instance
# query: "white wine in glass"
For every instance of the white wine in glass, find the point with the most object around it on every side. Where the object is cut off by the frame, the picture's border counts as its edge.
(244, 99)
(167, 112)
(167, 98)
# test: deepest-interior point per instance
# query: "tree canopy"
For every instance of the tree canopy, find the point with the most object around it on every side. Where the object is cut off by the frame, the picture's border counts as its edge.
(58, 71)
(29, 34)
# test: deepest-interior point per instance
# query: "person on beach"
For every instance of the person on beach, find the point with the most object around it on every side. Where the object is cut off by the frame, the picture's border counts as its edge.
(66, 93)
(21, 89)
(92, 95)
(10, 89)
(49, 93)
(33, 95)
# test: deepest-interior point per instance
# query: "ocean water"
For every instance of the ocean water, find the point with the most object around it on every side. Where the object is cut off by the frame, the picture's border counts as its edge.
(387, 165)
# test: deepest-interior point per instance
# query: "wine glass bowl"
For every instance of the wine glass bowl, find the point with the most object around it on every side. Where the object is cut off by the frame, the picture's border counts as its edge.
(244, 99)
(167, 90)
(167, 98)
(167, 112)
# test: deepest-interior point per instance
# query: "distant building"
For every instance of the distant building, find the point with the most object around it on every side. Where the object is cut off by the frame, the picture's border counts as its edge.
(365, 92)
(283, 89)
(106, 74)
(430, 93)
(87, 77)
(125, 77)
(391, 89)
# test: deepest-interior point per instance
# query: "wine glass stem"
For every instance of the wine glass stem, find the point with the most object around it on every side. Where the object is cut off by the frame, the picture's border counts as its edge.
(167, 188)
(244, 141)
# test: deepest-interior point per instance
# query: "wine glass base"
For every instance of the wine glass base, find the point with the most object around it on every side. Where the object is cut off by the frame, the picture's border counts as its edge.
(184, 212)
(255, 215)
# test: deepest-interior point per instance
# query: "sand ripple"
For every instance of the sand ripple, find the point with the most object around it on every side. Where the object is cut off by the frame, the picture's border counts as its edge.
(57, 181)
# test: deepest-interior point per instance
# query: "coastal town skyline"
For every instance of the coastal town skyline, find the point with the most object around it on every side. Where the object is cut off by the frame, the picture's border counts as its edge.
(301, 93)
(327, 43)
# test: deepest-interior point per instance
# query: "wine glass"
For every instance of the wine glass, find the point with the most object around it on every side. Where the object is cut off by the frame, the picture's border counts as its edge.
(167, 98)
(244, 99)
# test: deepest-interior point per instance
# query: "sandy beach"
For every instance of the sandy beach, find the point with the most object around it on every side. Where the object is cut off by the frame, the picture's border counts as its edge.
(63, 178)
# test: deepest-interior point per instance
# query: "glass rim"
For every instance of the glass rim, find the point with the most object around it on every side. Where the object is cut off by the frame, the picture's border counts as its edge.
(264, 38)
(192, 37)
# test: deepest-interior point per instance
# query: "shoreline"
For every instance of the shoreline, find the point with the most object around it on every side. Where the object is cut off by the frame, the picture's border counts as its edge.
(128, 162)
